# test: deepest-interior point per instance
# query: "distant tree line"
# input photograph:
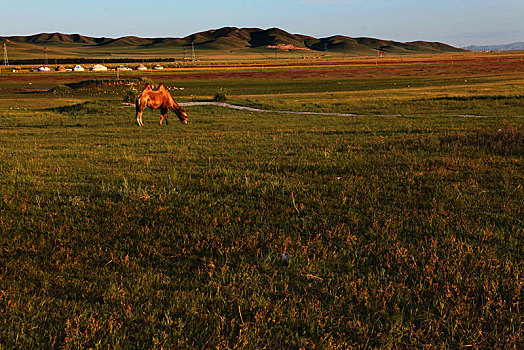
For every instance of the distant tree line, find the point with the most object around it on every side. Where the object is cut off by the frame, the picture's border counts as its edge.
(35, 61)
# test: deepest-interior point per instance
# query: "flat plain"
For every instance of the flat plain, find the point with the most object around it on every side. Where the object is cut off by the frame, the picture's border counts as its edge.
(399, 227)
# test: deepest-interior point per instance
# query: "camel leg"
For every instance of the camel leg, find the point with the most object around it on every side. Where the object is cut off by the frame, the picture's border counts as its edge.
(139, 118)
(140, 105)
(163, 114)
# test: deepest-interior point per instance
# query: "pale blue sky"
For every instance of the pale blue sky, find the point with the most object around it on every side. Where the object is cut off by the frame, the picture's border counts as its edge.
(456, 22)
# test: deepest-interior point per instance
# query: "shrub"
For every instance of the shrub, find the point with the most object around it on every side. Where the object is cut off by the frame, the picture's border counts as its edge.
(220, 97)
(129, 96)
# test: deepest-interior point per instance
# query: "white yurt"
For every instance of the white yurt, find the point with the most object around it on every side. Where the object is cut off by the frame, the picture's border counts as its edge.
(78, 68)
(98, 68)
(44, 69)
(141, 67)
(158, 67)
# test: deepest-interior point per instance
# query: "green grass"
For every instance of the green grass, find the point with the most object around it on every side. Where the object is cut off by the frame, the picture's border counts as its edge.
(402, 231)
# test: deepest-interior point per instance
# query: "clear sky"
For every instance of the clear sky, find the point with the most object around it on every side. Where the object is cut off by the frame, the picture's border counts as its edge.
(456, 22)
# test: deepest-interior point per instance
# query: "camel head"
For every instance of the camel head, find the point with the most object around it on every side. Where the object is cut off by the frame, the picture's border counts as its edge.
(182, 115)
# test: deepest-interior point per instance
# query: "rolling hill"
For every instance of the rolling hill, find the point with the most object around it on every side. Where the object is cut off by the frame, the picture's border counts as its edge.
(506, 47)
(227, 39)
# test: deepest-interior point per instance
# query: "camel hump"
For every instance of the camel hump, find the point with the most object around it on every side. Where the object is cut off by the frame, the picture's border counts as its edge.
(161, 86)
(147, 87)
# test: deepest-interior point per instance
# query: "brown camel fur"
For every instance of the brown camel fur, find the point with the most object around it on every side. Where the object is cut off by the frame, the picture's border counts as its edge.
(161, 98)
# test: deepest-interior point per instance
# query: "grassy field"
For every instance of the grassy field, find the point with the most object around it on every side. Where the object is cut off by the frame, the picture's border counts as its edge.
(401, 227)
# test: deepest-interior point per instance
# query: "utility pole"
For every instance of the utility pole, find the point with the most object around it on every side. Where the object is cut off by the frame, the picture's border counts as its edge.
(192, 52)
(45, 55)
(6, 59)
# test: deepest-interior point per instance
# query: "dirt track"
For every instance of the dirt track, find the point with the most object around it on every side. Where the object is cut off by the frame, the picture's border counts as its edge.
(249, 109)
(257, 110)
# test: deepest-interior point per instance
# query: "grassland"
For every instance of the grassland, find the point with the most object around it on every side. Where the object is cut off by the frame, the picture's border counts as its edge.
(402, 225)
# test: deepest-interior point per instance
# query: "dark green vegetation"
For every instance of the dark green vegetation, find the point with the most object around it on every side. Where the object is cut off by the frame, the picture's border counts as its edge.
(225, 42)
(401, 232)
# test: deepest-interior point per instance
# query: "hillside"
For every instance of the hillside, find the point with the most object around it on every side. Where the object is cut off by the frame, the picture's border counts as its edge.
(223, 39)
(507, 47)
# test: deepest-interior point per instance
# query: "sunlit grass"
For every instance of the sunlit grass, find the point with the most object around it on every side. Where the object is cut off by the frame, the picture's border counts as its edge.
(400, 231)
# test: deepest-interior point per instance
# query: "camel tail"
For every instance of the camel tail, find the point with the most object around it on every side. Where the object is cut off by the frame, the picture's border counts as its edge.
(137, 102)
(139, 106)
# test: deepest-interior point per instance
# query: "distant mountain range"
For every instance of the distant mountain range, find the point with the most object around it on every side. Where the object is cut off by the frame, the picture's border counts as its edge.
(227, 38)
(507, 47)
